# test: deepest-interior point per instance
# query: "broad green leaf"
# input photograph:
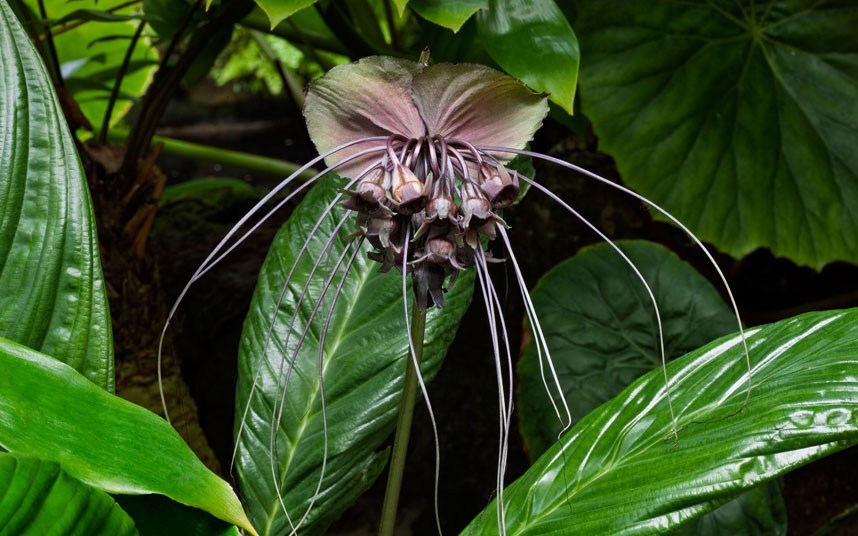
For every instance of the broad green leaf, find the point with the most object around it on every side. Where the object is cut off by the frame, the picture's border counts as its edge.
(533, 41)
(364, 363)
(280, 10)
(760, 511)
(38, 497)
(737, 117)
(452, 14)
(156, 515)
(51, 412)
(600, 326)
(52, 294)
(81, 50)
(620, 458)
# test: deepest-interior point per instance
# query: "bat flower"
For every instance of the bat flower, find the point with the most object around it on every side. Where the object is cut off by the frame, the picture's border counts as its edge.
(424, 150)
(407, 135)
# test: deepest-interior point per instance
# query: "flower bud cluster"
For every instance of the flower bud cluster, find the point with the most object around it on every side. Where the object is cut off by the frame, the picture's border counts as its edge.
(431, 204)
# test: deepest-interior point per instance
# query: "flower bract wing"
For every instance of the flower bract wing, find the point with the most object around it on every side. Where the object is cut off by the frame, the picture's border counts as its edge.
(478, 104)
(371, 97)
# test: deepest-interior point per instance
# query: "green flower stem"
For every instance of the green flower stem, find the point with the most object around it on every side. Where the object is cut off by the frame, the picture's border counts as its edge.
(403, 426)
(225, 157)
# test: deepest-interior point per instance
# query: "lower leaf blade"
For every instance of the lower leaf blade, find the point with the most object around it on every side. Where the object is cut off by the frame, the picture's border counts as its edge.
(38, 497)
(50, 411)
(804, 405)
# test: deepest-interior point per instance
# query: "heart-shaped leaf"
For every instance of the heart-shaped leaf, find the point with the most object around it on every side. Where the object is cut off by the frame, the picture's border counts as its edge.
(533, 41)
(601, 329)
(617, 472)
(38, 497)
(49, 411)
(52, 294)
(737, 117)
(364, 364)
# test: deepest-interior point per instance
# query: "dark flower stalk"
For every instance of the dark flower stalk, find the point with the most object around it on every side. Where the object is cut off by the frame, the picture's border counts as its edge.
(424, 149)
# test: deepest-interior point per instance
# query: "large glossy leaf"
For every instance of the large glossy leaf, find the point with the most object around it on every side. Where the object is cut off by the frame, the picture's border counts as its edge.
(452, 14)
(52, 294)
(51, 412)
(600, 326)
(364, 363)
(533, 41)
(617, 470)
(90, 63)
(738, 117)
(38, 498)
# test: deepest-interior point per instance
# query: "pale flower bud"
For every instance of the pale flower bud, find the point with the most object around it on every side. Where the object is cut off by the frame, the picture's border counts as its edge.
(406, 190)
(474, 204)
(500, 187)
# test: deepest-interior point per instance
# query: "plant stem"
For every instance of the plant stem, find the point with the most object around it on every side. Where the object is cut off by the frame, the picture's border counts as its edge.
(218, 155)
(54, 60)
(117, 84)
(403, 426)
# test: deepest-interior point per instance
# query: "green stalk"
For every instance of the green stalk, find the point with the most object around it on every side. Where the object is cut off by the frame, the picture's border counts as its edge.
(117, 84)
(403, 426)
(225, 157)
(54, 59)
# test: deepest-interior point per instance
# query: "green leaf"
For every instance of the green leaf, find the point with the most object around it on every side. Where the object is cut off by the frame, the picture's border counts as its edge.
(38, 497)
(49, 411)
(452, 14)
(619, 459)
(364, 363)
(533, 41)
(760, 511)
(84, 44)
(156, 515)
(600, 326)
(280, 10)
(739, 118)
(52, 294)
(400, 6)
